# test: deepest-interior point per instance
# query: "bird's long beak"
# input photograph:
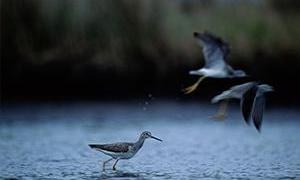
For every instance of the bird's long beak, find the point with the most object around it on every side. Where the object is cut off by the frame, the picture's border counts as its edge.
(155, 138)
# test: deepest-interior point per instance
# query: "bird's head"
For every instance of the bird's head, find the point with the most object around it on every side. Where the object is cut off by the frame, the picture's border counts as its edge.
(147, 134)
(266, 88)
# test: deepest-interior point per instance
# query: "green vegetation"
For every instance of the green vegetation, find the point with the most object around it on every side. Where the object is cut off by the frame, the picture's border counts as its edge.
(130, 34)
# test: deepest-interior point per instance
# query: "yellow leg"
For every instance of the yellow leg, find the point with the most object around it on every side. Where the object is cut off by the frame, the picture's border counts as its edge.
(103, 167)
(114, 166)
(193, 87)
(221, 113)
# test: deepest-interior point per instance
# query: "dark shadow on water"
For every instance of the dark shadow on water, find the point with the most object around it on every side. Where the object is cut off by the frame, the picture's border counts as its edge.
(119, 174)
(110, 174)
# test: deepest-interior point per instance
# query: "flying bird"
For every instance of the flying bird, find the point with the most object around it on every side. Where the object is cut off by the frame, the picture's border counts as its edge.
(234, 92)
(215, 52)
(122, 150)
(252, 100)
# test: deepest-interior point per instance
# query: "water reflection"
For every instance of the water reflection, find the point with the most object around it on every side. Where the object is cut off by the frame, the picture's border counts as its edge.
(118, 174)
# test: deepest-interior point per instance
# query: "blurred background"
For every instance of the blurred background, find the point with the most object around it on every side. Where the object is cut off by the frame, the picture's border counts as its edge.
(75, 72)
(111, 50)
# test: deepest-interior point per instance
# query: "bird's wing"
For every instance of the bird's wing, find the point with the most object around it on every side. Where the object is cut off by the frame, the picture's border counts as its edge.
(116, 147)
(258, 110)
(242, 88)
(215, 50)
(214, 58)
(236, 91)
(247, 102)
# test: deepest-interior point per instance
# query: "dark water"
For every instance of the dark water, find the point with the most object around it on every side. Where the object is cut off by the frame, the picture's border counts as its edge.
(50, 142)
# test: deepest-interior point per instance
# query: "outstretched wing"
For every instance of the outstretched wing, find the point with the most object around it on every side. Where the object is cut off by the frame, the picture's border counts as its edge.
(243, 88)
(236, 91)
(117, 147)
(215, 50)
(258, 110)
(247, 102)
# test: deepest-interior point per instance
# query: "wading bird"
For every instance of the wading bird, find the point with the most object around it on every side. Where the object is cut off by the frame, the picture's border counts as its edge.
(215, 52)
(252, 100)
(122, 150)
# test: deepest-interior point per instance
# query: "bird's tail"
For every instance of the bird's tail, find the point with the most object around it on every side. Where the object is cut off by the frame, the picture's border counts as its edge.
(195, 72)
(222, 96)
(93, 146)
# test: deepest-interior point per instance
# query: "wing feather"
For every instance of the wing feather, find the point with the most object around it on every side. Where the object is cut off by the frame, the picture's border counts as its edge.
(247, 103)
(236, 91)
(258, 110)
(117, 147)
(215, 50)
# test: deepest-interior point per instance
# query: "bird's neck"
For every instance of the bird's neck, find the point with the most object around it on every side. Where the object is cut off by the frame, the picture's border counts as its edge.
(139, 143)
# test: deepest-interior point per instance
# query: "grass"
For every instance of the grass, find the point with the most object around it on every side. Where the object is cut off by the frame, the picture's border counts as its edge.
(113, 34)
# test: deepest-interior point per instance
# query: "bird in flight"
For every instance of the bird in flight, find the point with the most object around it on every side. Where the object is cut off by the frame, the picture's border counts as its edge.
(215, 52)
(252, 100)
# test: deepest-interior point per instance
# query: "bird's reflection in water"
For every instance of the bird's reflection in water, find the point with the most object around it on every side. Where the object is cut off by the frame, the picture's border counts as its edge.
(132, 175)
(119, 174)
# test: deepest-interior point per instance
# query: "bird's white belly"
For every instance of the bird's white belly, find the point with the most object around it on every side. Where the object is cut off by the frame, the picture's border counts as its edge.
(127, 155)
(119, 155)
(215, 73)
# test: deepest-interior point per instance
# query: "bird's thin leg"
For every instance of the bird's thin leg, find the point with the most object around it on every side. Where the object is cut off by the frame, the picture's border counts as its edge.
(221, 113)
(114, 166)
(192, 88)
(105, 163)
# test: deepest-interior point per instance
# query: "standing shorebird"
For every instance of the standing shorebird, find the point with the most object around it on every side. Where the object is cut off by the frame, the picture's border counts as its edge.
(252, 100)
(215, 52)
(122, 150)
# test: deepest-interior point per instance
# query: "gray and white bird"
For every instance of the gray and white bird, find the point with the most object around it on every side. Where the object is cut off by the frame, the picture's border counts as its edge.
(215, 52)
(122, 150)
(252, 100)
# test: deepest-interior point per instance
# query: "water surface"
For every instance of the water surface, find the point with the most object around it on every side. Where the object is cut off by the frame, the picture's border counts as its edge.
(50, 141)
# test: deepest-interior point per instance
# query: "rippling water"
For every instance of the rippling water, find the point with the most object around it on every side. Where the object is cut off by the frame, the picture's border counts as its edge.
(50, 141)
